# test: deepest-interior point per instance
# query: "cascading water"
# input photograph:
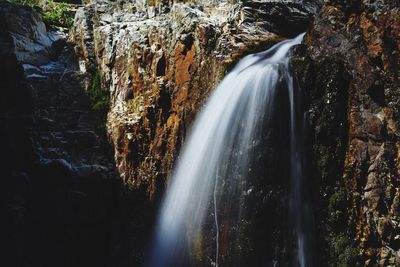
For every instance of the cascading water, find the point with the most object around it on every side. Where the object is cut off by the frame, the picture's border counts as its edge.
(204, 207)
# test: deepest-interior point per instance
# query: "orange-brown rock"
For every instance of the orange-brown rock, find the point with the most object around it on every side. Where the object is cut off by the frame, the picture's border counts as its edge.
(363, 39)
(161, 60)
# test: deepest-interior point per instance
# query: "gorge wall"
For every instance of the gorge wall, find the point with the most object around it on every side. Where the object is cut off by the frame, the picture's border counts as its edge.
(59, 187)
(351, 72)
(159, 60)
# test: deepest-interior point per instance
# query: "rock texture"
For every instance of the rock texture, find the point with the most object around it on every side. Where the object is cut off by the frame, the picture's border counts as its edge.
(352, 70)
(59, 185)
(160, 60)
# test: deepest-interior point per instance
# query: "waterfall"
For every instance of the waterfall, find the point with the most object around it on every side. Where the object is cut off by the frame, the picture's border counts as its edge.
(209, 183)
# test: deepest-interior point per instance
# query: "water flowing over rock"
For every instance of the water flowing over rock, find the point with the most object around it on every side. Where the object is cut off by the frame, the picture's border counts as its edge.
(160, 60)
(214, 176)
(61, 200)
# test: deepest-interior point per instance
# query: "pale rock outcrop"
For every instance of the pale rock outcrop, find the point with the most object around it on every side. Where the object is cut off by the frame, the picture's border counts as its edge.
(32, 43)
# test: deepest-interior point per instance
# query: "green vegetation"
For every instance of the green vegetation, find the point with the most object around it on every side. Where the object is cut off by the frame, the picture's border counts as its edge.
(98, 96)
(58, 14)
(343, 251)
(337, 208)
(54, 13)
(342, 247)
(99, 99)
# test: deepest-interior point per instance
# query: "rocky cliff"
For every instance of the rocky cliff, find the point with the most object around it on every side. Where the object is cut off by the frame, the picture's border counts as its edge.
(59, 185)
(351, 72)
(177, 52)
(148, 66)
(161, 59)
(158, 62)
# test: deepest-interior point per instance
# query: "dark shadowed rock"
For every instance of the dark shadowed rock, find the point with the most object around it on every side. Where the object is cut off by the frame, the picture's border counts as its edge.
(354, 111)
(58, 186)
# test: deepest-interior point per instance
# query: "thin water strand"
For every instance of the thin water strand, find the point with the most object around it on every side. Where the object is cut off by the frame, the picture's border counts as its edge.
(216, 221)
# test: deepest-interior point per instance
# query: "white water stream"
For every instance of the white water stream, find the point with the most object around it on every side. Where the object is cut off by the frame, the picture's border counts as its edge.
(232, 117)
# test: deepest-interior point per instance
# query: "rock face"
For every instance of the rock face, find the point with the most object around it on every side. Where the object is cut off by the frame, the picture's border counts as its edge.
(15, 153)
(59, 185)
(351, 68)
(161, 59)
(31, 41)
